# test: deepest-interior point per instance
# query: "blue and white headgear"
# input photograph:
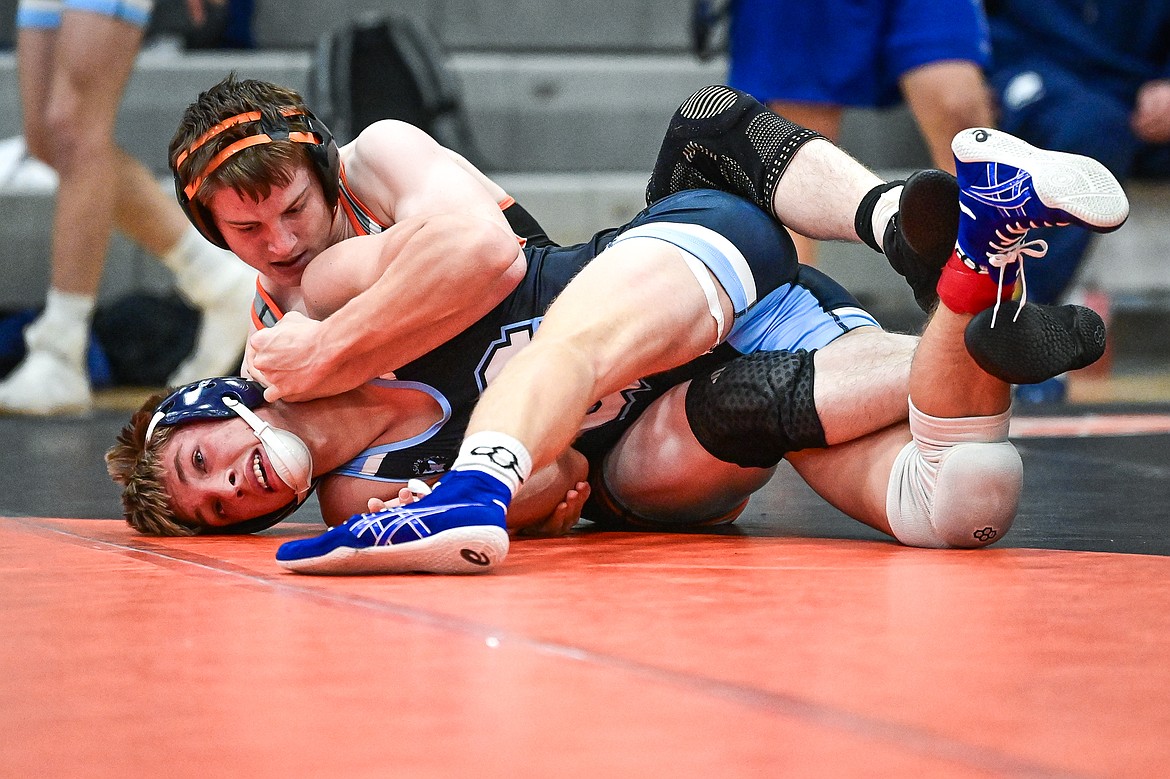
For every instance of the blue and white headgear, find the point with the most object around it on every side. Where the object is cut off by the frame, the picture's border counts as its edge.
(225, 398)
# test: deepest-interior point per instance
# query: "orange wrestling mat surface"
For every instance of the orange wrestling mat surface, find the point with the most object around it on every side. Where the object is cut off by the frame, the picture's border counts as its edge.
(596, 655)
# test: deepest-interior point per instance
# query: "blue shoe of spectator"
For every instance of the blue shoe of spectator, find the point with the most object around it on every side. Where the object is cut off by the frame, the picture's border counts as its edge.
(1007, 186)
(458, 528)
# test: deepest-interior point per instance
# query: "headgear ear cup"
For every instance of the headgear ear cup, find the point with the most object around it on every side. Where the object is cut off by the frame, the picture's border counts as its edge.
(318, 141)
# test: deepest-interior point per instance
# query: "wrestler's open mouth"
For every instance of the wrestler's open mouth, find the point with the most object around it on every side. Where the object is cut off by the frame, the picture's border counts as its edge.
(291, 262)
(260, 473)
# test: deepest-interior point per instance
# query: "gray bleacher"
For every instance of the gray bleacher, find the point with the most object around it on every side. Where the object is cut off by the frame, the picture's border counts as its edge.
(568, 103)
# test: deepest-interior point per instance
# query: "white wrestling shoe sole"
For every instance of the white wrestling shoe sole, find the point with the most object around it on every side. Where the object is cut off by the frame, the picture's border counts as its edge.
(474, 549)
(1078, 185)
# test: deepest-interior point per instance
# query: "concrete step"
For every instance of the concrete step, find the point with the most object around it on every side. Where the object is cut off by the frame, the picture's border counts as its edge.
(582, 112)
(1128, 264)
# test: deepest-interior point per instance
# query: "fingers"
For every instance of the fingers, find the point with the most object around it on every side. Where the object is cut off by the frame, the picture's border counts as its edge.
(568, 512)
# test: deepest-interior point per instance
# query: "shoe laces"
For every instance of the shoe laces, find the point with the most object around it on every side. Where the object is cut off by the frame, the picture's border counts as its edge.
(1013, 247)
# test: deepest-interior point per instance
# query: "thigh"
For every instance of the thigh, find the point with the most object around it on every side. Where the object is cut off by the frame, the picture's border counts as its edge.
(661, 473)
(862, 383)
(95, 55)
(635, 310)
(34, 63)
(670, 286)
(854, 477)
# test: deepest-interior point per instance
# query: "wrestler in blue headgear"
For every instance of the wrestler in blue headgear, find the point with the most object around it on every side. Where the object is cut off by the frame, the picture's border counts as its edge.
(224, 398)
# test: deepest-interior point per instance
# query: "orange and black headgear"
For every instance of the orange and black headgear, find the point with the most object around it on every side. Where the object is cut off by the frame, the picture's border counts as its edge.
(268, 127)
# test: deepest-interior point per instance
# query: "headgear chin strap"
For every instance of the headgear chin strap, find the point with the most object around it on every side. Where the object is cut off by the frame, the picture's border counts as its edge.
(223, 398)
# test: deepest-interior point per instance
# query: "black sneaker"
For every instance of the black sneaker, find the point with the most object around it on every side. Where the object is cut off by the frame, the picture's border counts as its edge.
(921, 236)
(1038, 343)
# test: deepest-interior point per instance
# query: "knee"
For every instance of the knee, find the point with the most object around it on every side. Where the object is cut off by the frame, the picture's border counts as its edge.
(70, 138)
(756, 408)
(968, 501)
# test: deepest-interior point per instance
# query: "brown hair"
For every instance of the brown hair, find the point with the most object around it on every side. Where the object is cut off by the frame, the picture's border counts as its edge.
(254, 171)
(137, 466)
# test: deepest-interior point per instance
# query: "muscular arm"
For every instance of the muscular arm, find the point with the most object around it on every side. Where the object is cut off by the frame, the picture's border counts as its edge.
(448, 258)
(362, 295)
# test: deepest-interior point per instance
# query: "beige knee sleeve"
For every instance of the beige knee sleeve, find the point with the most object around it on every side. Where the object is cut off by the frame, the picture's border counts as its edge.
(957, 484)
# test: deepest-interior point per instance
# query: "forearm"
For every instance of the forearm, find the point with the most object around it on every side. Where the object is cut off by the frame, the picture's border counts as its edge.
(431, 284)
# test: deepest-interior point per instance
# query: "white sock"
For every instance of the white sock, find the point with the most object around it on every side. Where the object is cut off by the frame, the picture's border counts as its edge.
(497, 454)
(884, 210)
(185, 251)
(63, 327)
(203, 271)
(68, 307)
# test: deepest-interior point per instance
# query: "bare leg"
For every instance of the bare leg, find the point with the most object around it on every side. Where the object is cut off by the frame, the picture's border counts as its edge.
(946, 97)
(925, 485)
(818, 194)
(807, 183)
(94, 57)
(72, 81)
(861, 382)
(587, 348)
(825, 119)
(945, 381)
(854, 476)
(660, 474)
(148, 215)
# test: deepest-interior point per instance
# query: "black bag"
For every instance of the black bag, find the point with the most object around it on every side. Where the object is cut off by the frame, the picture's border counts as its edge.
(388, 67)
(145, 337)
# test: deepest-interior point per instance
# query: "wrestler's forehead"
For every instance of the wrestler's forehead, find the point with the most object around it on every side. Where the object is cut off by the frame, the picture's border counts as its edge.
(302, 183)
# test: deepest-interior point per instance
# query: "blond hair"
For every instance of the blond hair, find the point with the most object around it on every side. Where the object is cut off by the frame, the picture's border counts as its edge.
(137, 466)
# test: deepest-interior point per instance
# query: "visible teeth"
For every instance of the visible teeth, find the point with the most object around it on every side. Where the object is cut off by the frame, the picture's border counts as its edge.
(258, 469)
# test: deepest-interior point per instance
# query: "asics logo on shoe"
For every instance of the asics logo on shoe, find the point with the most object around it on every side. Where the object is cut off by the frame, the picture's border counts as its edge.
(474, 557)
(380, 528)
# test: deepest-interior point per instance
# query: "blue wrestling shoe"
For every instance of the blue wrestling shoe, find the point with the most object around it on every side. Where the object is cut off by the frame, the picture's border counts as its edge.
(1007, 186)
(458, 528)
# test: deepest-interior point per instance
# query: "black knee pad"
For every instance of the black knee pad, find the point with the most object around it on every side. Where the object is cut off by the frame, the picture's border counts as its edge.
(756, 408)
(721, 138)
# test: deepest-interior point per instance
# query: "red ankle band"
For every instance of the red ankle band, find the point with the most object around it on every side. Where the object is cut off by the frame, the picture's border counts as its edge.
(964, 291)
